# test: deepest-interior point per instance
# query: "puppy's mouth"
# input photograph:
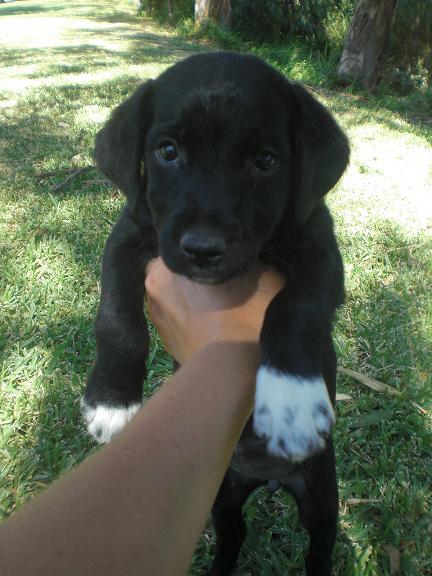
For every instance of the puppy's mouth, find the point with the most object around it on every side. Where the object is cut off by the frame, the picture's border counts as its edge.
(210, 276)
(210, 259)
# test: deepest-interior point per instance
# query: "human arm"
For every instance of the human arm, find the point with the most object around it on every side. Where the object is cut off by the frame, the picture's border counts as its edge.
(139, 504)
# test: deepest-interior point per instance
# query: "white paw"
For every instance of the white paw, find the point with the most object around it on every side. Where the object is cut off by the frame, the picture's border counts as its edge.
(292, 413)
(104, 422)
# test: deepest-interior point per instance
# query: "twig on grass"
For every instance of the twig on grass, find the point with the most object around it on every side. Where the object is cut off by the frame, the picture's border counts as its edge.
(107, 220)
(343, 397)
(68, 170)
(72, 171)
(369, 382)
(377, 385)
(360, 453)
(327, 92)
(97, 181)
(357, 501)
(76, 172)
(394, 557)
(53, 172)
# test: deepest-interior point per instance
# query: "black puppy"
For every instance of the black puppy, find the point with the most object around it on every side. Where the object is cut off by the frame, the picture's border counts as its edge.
(224, 162)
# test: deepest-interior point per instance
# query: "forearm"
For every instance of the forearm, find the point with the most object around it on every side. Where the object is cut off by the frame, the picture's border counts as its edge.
(139, 505)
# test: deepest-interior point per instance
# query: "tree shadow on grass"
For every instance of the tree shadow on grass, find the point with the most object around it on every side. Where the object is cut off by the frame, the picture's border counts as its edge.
(88, 64)
(141, 51)
(357, 112)
(101, 11)
(49, 269)
(102, 40)
(23, 8)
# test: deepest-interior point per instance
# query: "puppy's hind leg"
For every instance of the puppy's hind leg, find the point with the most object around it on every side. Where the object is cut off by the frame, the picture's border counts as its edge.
(114, 387)
(228, 520)
(316, 494)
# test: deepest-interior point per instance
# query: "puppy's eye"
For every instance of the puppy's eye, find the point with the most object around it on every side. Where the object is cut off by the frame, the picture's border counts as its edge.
(167, 151)
(266, 160)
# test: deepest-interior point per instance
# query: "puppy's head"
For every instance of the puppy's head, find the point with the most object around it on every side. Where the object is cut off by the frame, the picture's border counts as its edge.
(222, 150)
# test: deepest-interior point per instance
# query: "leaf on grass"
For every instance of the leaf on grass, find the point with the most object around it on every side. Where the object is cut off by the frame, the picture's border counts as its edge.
(394, 557)
(372, 419)
(342, 397)
(369, 382)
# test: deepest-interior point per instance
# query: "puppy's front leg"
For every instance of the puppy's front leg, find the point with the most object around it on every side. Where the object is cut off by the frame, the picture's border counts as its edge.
(293, 405)
(114, 387)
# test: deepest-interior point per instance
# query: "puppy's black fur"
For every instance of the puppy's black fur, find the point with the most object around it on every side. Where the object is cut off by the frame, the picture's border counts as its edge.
(224, 163)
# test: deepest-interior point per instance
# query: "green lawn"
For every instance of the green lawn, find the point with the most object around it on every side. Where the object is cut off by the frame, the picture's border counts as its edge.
(65, 66)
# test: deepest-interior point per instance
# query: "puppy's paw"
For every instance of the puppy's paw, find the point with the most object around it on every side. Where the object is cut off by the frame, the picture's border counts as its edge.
(103, 422)
(293, 414)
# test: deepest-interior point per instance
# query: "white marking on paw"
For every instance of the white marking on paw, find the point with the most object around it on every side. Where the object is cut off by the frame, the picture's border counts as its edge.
(292, 413)
(104, 422)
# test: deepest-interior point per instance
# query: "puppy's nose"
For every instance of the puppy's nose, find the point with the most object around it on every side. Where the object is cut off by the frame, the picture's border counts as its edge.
(202, 248)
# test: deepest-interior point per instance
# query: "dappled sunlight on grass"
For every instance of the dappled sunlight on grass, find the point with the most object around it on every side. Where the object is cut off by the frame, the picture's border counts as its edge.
(390, 172)
(391, 169)
(41, 46)
(92, 114)
(23, 83)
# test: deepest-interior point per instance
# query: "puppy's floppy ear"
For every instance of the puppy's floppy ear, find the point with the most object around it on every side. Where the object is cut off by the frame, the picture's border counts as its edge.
(120, 144)
(321, 152)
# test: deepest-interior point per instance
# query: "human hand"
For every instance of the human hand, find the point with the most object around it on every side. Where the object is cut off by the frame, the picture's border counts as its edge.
(189, 315)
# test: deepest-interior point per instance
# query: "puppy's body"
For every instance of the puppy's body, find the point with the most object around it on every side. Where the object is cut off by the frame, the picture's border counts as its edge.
(224, 163)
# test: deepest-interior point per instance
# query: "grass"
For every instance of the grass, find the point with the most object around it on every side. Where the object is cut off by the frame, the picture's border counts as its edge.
(66, 66)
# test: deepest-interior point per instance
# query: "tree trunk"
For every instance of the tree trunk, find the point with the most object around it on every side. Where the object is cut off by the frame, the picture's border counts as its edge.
(171, 12)
(364, 53)
(217, 10)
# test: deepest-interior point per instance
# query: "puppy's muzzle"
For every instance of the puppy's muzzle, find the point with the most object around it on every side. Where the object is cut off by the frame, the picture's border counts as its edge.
(201, 248)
